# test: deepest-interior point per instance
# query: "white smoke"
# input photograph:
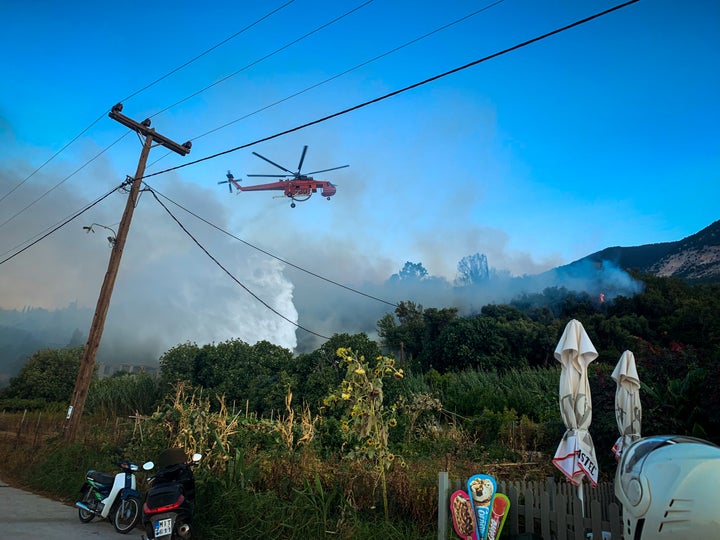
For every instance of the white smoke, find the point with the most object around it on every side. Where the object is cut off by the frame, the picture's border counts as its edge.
(168, 291)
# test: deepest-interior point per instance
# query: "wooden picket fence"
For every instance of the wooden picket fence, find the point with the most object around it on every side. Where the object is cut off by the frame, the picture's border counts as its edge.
(545, 510)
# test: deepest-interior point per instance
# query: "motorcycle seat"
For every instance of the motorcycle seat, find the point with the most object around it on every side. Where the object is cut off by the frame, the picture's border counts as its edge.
(163, 495)
(101, 477)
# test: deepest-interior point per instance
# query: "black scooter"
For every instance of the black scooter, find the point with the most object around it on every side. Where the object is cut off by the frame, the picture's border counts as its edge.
(170, 501)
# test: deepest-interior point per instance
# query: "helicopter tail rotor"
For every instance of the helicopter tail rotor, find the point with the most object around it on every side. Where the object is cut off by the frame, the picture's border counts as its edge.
(230, 181)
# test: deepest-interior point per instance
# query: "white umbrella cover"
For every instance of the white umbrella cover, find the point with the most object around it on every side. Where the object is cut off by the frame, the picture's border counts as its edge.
(575, 455)
(628, 411)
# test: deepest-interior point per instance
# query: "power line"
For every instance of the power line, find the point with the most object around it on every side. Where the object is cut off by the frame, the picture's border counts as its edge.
(251, 64)
(400, 91)
(312, 87)
(358, 66)
(177, 103)
(254, 63)
(41, 197)
(393, 304)
(61, 225)
(56, 154)
(381, 98)
(147, 86)
(236, 34)
(255, 296)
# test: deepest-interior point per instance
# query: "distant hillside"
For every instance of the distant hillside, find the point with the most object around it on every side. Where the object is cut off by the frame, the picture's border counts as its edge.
(23, 332)
(695, 258)
(16, 345)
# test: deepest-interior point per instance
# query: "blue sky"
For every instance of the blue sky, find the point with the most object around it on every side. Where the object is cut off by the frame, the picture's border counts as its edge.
(603, 135)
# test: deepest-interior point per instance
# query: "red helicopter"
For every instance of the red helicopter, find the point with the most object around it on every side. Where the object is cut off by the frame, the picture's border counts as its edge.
(298, 188)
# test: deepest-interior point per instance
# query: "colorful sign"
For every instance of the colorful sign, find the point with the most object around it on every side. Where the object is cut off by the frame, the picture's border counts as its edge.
(481, 488)
(500, 507)
(463, 518)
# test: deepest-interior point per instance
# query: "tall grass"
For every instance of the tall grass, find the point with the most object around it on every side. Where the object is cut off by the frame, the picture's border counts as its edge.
(529, 391)
(289, 476)
(123, 395)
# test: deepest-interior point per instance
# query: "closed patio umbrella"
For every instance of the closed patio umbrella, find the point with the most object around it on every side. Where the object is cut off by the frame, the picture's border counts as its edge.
(575, 455)
(628, 411)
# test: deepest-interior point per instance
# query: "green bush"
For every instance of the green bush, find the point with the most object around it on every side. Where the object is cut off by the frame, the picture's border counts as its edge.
(24, 404)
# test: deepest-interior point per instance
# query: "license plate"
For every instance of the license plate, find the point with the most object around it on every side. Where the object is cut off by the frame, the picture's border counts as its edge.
(163, 527)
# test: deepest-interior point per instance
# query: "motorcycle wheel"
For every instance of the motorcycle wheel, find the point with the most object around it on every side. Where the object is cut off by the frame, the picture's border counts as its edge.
(85, 515)
(127, 515)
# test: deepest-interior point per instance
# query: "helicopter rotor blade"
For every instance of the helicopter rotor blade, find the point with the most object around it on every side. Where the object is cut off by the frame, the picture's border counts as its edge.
(269, 175)
(326, 170)
(228, 183)
(273, 163)
(302, 158)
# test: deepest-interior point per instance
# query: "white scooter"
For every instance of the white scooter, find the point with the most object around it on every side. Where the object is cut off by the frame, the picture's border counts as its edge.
(668, 487)
(111, 497)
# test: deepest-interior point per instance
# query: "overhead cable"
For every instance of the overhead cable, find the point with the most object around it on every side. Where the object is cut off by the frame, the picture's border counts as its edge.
(48, 160)
(400, 91)
(358, 66)
(177, 103)
(41, 197)
(328, 280)
(171, 72)
(65, 222)
(236, 34)
(251, 64)
(255, 296)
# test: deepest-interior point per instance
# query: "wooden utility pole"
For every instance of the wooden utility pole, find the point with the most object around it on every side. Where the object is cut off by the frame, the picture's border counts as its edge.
(87, 364)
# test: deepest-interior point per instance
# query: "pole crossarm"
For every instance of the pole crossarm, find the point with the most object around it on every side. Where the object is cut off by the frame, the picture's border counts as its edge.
(144, 129)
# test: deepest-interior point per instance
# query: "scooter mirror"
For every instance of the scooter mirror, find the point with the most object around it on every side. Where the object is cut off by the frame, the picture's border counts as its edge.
(148, 465)
(196, 457)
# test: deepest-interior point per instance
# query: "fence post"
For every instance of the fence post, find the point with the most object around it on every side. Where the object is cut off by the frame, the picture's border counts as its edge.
(596, 520)
(37, 429)
(561, 516)
(550, 490)
(512, 519)
(545, 515)
(616, 524)
(443, 504)
(20, 428)
(578, 521)
(529, 512)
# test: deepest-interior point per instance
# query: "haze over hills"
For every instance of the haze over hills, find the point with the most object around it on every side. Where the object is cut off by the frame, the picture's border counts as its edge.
(695, 259)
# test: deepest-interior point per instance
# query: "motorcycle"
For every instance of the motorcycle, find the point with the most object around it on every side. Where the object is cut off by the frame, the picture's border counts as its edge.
(170, 501)
(111, 497)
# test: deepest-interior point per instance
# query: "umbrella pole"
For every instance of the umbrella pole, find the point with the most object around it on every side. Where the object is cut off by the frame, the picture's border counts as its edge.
(581, 496)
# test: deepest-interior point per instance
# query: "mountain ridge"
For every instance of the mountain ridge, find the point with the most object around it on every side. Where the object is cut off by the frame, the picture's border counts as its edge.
(695, 258)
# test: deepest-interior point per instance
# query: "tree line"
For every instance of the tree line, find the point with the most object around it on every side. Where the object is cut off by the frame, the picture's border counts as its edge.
(499, 359)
